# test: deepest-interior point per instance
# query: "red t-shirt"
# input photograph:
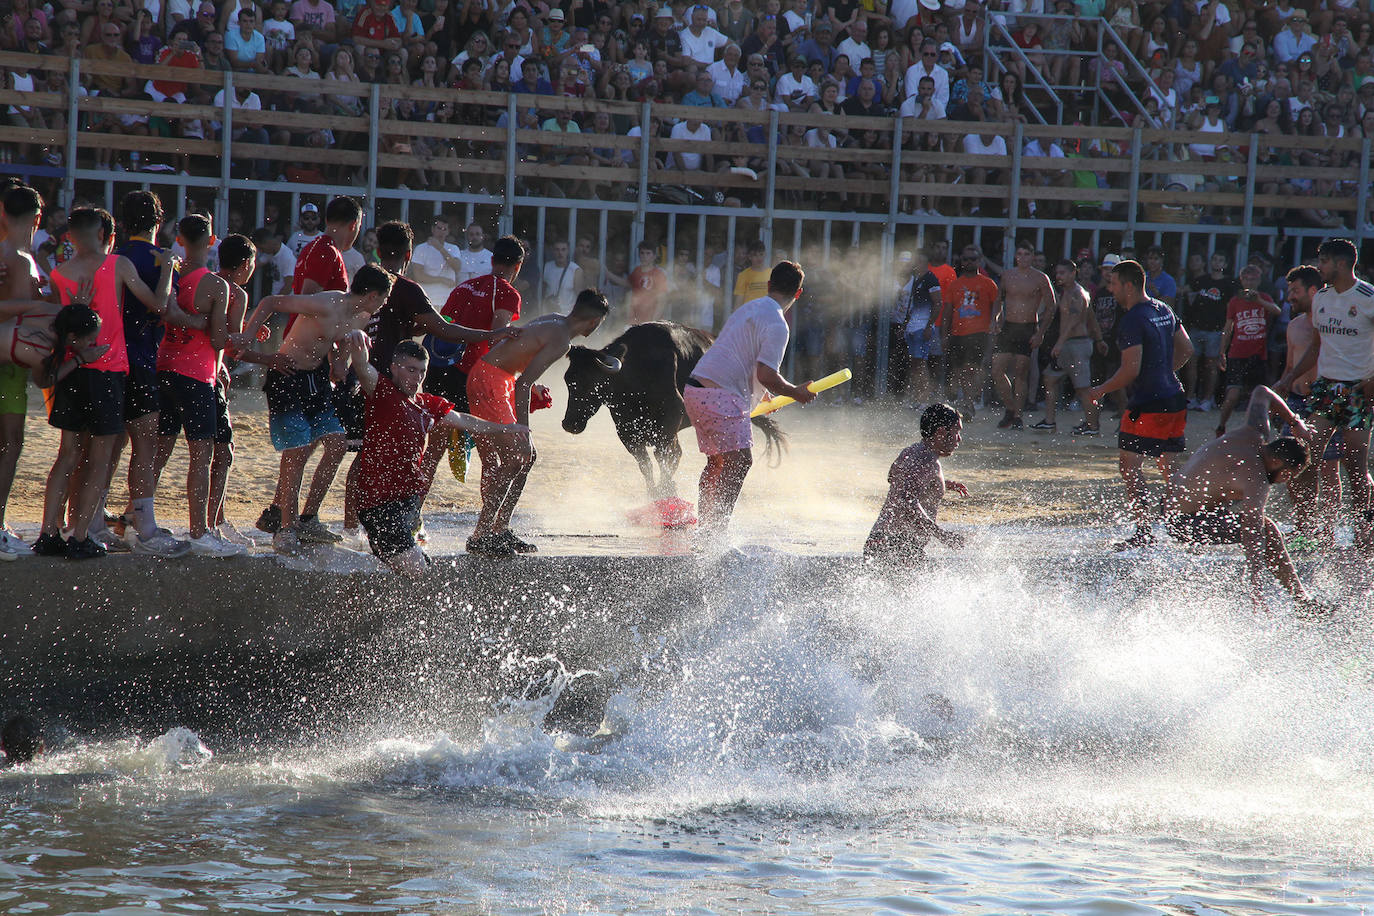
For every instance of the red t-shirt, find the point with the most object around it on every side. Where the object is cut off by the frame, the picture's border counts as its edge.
(174, 57)
(972, 299)
(395, 434)
(375, 28)
(322, 262)
(474, 304)
(1250, 334)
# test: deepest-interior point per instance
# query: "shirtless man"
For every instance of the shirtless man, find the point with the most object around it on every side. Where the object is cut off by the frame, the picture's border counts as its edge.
(1072, 352)
(1026, 295)
(499, 388)
(300, 407)
(1240, 467)
(916, 486)
(1314, 520)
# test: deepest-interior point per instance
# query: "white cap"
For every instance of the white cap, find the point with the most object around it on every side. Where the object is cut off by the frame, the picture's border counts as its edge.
(556, 14)
(1110, 260)
(932, 5)
(310, 208)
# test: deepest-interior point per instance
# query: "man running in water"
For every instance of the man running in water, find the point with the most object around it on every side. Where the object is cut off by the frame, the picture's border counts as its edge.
(1026, 297)
(1342, 396)
(1240, 467)
(916, 486)
(300, 406)
(1072, 350)
(1154, 346)
(499, 388)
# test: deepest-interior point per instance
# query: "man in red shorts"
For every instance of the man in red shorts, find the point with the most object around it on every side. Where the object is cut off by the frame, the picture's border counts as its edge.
(1154, 346)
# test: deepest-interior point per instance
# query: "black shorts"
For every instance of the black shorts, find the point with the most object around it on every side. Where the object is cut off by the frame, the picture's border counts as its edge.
(1206, 526)
(141, 393)
(1246, 373)
(350, 406)
(966, 349)
(449, 383)
(89, 401)
(391, 526)
(187, 404)
(1015, 338)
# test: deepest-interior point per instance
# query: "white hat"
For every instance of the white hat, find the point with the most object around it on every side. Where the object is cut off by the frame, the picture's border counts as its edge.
(665, 12)
(555, 14)
(932, 5)
(1110, 260)
(950, 47)
(310, 208)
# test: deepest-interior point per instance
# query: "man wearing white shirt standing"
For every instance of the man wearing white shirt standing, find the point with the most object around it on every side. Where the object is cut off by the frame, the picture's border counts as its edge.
(729, 78)
(435, 264)
(275, 262)
(928, 66)
(728, 381)
(475, 257)
(699, 40)
(561, 280)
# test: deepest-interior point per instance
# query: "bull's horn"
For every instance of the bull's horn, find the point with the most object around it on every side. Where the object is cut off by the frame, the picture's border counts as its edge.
(609, 363)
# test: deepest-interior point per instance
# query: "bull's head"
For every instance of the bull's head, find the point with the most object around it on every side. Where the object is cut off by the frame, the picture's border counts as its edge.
(588, 377)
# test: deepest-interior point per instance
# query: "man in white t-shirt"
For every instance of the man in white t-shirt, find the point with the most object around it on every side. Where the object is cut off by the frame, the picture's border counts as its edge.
(1342, 395)
(699, 40)
(276, 264)
(729, 78)
(726, 384)
(561, 280)
(855, 46)
(475, 258)
(353, 261)
(929, 66)
(309, 230)
(435, 264)
(699, 131)
(983, 144)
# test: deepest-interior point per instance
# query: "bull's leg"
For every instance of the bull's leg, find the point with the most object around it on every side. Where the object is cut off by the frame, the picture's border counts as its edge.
(668, 455)
(646, 466)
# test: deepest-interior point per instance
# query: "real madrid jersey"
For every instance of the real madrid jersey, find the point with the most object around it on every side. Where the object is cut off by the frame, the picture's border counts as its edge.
(1346, 323)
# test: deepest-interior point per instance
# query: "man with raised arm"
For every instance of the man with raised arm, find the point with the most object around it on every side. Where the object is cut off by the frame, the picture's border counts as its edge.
(300, 407)
(1154, 346)
(1218, 497)
(399, 420)
(1342, 395)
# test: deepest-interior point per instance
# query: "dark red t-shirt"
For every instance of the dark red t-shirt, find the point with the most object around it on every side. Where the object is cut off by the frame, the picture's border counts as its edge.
(474, 304)
(394, 440)
(373, 27)
(322, 262)
(1250, 331)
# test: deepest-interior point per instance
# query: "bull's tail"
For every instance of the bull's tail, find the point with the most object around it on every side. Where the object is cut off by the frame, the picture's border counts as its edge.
(774, 437)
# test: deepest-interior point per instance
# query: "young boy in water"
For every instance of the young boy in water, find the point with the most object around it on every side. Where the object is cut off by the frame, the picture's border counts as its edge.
(916, 485)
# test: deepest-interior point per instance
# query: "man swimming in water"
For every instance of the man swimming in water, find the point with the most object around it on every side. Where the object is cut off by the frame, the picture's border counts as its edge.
(1240, 467)
(499, 386)
(916, 485)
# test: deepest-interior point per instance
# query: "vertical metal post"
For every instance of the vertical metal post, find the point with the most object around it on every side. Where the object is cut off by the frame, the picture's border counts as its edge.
(642, 198)
(507, 221)
(73, 129)
(1248, 219)
(1097, 78)
(541, 215)
(226, 146)
(572, 235)
(1133, 198)
(894, 187)
(1362, 213)
(771, 192)
(374, 104)
(701, 259)
(601, 257)
(1014, 205)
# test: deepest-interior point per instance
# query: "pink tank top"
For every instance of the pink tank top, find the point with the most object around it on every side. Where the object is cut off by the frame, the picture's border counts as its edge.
(105, 303)
(187, 351)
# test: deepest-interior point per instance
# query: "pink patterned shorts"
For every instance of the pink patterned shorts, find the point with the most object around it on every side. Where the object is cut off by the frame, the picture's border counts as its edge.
(721, 419)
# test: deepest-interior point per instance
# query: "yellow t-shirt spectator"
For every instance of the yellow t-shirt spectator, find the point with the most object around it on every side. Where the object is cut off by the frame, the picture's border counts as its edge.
(750, 284)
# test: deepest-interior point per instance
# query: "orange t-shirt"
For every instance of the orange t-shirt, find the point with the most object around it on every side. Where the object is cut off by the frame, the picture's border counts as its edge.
(972, 299)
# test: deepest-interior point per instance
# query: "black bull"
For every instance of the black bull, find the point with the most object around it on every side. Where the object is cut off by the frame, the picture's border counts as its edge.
(644, 395)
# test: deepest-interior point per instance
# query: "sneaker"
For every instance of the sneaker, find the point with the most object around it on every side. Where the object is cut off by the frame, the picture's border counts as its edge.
(1006, 421)
(111, 541)
(270, 520)
(226, 532)
(84, 550)
(1045, 425)
(1017, 423)
(207, 545)
(516, 544)
(285, 540)
(490, 545)
(1207, 406)
(1143, 537)
(161, 544)
(1194, 404)
(10, 544)
(1083, 429)
(355, 539)
(310, 530)
(49, 545)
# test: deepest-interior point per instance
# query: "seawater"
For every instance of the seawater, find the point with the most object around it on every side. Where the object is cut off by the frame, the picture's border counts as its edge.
(978, 738)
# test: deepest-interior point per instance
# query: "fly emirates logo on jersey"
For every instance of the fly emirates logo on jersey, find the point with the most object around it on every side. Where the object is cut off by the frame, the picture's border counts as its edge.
(1344, 321)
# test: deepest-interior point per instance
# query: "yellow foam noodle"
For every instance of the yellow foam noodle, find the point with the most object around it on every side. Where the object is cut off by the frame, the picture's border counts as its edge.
(819, 385)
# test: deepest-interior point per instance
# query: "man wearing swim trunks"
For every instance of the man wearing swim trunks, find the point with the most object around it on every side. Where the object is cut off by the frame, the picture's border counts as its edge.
(729, 380)
(1154, 346)
(916, 486)
(965, 319)
(499, 388)
(400, 419)
(1313, 518)
(1072, 351)
(1240, 467)
(1026, 297)
(300, 405)
(1342, 396)
(1245, 341)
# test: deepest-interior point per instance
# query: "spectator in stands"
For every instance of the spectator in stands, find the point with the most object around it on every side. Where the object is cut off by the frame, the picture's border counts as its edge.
(727, 76)
(696, 131)
(704, 95)
(765, 44)
(110, 49)
(1294, 40)
(928, 66)
(986, 142)
(794, 88)
(700, 41)
(411, 30)
(212, 54)
(735, 19)
(246, 46)
(316, 23)
(820, 46)
(245, 99)
(201, 27)
(865, 103)
(279, 35)
(374, 29)
(663, 42)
